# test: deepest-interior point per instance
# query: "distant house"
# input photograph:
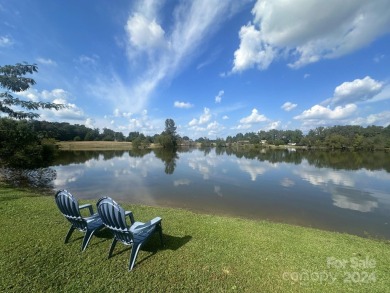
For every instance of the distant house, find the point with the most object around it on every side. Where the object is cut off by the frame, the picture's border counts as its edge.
(292, 143)
(264, 141)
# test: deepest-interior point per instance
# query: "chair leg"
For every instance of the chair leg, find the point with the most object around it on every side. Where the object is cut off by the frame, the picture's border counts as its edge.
(69, 233)
(87, 238)
(112, 247)
(133, 255)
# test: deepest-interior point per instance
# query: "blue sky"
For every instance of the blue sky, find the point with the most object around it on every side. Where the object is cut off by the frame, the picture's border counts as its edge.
(215, 67)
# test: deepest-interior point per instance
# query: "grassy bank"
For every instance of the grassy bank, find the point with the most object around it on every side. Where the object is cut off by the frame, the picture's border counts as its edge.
(100, 145)
(202, 253)
(94, 145)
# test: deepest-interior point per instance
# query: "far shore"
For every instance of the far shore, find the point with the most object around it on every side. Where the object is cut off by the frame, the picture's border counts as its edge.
(125, 146)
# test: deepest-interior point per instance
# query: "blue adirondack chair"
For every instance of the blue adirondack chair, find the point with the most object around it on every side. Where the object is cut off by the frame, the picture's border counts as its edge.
(70, 208)
(133, 233)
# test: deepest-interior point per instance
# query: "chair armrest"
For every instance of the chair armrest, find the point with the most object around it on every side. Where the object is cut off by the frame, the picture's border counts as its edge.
(88, 205)
(146, 225)
(131, 217)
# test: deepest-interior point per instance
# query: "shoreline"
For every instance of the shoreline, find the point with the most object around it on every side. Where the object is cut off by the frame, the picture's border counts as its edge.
(125, 146)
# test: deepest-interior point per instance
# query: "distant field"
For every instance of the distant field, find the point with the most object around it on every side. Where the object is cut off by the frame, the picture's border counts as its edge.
(93, 145)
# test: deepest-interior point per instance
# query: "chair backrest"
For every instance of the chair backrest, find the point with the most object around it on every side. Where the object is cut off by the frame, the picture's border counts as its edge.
(113, 217)
(69, 207)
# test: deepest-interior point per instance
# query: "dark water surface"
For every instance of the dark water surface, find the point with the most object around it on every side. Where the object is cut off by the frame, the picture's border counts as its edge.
(337, 191)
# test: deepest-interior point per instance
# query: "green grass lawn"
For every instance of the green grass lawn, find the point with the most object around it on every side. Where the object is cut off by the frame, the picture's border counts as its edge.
(202, 253)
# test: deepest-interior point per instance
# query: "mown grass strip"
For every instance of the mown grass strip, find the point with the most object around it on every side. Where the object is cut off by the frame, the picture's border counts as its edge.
(93, 145)
(202, 253)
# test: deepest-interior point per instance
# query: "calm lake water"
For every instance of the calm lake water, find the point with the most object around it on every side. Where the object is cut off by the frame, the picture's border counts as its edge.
(337, 191)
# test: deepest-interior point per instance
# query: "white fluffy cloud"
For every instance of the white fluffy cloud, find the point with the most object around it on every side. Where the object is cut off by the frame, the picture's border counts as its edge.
(320, 112)
(46, 61)
(204, 126)
(88, 60)
(242, 127)
(193, 122)
(218, 98)
(119, 113)
(211, 129)
(382, 119)
(90, 123)
(356, 91)
(383, 95)
(144, 34)
(252, 51)
(71, 113)
(183, 105)
(254, 117)
(342, 107)
(294, 29)
(203, 119)
(5, 41)
(272, 125)
(288, 106)
(169, 49)
(141, 122)
(45, 95)
(214, 128)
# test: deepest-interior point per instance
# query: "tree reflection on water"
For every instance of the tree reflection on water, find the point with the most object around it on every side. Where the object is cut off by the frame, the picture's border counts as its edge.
(41, 178)
(168, 156)
(338, 160)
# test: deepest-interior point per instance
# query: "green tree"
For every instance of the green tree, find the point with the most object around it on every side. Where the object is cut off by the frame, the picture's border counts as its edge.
(20, 144)
(13, 80)
(108, 134)
(140, 141)
(335, 141)
(136, 142)
(168, 138)
(132, 135)
(219, 143)
(166, 141)
(170, 127)
(119, 136)
(358, 142)
(92, 135)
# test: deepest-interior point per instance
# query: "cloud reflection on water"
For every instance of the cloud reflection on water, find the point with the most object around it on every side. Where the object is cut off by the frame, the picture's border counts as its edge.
(345, 188)
(181, 182)
(348, 198)
(284, 185)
